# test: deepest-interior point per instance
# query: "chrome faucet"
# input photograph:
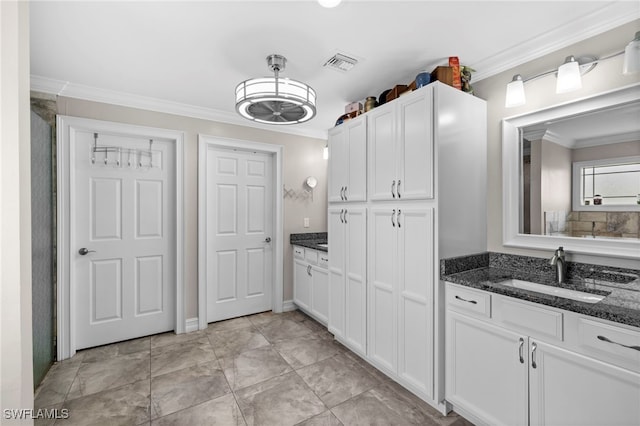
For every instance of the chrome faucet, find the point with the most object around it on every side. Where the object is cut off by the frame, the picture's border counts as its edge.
(559, 262)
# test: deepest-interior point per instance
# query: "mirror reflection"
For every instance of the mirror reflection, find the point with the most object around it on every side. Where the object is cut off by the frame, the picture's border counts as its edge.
(580, 175)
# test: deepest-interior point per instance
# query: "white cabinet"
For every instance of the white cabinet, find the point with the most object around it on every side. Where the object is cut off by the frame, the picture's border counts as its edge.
(401, 148)
(311, 283)
(401, 294)
(348, 165)
(501, 372)
(347, 276)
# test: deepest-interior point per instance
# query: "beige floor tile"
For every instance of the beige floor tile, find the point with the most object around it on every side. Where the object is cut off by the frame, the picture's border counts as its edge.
(381, 406)
(263, 318)
(116, 349)
(185, 388)
(324, 419)
(109, 373)
(171, 338)
(127, 405)
(283, 329)
(228, 343)
(337, 379)
(221, 411)
(254, 366)
(281, 401)
(166, 359)
(56, 384)
(231, 324)
(306, 350)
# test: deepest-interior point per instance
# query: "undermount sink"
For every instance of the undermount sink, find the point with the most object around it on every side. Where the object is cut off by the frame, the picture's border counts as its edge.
(323, 245)
(566, 293)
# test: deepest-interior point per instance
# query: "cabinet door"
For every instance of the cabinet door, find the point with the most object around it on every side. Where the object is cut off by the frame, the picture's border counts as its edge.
(320, 293)
(336, 228)
(301, 284)
(415, 145)
(571, 389)
(415, 298)
(357, 170)
(382, 312)
(355, 279)
(484, 374)
(382, 153)
(338, 162)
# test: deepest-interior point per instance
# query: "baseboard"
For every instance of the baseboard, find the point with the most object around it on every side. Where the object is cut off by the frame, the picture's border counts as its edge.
(288, 305)
(191, 325)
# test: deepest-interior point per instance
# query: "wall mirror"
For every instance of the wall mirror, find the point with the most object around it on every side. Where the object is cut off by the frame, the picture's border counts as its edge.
(571, 176)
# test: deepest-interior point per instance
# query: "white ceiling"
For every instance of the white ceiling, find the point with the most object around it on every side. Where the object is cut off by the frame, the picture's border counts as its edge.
(187, 57)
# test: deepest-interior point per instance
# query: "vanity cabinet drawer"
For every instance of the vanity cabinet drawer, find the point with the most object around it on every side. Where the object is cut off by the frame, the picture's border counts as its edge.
(311, 256)
(468, 300)
(535, 320)
(323, 260)
(298, 252)
(617, 345)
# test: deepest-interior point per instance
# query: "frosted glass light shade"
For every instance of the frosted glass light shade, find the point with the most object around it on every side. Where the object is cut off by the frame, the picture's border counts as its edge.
(569, 78)
(515, 92)
(631, 63)
(329, 3)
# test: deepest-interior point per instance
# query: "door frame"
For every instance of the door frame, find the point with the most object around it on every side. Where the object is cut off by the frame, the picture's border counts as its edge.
(66, 125)
(276, 151)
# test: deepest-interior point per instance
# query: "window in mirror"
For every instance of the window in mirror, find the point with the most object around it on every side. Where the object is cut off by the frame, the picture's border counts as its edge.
(607, 182)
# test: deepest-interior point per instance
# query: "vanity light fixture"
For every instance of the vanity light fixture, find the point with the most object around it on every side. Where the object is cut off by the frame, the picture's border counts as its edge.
(570, 72)
(275, 100)
(329, 3)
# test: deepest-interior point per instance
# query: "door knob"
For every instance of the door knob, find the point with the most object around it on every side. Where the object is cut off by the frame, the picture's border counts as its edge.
(267, 240)
(83, 251)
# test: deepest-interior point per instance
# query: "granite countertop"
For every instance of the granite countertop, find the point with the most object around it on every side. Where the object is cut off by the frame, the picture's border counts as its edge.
(620, 286)
(310, 240)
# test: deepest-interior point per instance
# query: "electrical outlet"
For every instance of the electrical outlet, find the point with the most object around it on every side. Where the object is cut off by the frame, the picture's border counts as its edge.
(306, 222)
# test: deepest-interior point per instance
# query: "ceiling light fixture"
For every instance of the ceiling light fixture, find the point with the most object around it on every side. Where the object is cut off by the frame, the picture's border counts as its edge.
(275, 100)
(570, 72)
(329, 3)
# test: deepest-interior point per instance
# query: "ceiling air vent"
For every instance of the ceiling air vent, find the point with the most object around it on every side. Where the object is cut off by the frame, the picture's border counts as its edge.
(341, 62)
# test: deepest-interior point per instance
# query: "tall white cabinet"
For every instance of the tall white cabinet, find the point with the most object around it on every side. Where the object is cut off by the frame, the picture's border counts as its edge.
(425, 200)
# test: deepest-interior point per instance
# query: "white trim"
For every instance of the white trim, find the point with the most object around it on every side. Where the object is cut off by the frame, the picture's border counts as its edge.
(204, 142)
(95, 94)
(615, 14)
(288, 306)
(511, 177)
(65, 294)
(191, 324)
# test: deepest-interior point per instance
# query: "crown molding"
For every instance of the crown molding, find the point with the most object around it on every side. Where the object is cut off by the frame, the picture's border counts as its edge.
(95, 94)
(608, 140)
(611, 16)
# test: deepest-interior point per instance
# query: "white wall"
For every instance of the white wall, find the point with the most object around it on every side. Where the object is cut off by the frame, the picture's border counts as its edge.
(540, 94)
(555, 179)
(302, 158)
(16, 374)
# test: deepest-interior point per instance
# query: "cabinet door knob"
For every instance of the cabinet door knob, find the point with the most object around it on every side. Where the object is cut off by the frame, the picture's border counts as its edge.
(393, 218)
(533, 355)
(520, 350)
(393, 189)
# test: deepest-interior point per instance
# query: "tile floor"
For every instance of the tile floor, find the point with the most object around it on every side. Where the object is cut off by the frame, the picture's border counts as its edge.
(264, 369)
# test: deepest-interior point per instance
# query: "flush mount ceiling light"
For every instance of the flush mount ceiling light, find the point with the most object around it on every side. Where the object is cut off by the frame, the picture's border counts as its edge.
(275, 100)
(570, 72)
(329, 3)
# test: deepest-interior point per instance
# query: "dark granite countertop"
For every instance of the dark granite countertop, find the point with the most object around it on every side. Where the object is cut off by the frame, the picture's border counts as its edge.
(310, 240)
(487, 270)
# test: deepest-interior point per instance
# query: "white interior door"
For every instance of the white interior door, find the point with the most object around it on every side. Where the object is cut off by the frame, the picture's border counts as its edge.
(122, 213)
(239, 222)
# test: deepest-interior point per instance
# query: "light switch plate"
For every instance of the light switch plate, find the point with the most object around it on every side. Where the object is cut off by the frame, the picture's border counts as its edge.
(306, 222)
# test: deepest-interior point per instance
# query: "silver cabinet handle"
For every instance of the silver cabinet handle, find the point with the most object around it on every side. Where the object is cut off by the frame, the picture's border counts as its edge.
(398, 188)
(345, 215)
(341, 213)
(84, 251)
(345, 194)
(393, 189)
(393, 218)
(606, 339)
(533, 355)
(309, 270)
(399, 213)
(473, 302)
(342, 193)
(520, 350)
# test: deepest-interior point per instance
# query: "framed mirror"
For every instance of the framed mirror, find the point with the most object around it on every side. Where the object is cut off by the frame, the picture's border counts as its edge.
(571, 176)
